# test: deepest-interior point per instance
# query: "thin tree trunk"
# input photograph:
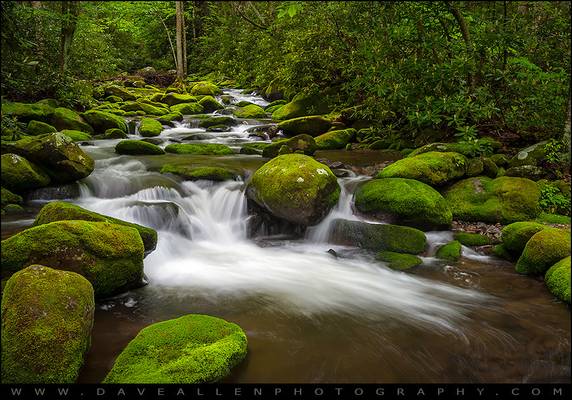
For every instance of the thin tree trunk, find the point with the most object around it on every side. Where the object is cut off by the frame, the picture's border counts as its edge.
(179, 36)
(185, 72)
(70, 10)
(505, 22)
(566, 135)
(466, 37)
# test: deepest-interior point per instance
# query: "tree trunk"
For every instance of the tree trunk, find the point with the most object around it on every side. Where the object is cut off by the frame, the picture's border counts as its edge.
(185, 71)
(466, 37)
(566, 135)
(70, 11)
(179, 36)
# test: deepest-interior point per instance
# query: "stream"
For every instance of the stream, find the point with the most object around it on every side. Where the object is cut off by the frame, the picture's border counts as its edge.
(309, 316)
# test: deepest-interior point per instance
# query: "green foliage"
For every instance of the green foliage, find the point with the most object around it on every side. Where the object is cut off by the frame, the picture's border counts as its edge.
(553, 201)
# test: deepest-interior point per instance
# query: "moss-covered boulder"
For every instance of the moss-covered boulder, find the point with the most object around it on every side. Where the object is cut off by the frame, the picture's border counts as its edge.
(465, 149)
(64, 118)
(250, 111)
(503, 199)
(200, 148)
(62, 159)
(398, 261)
(110, 256)
(253, 148)
(63, 211)
(176, 98)
(47, 316)
(543, 250)
(169, 118)
(313, 126)
(102, 121)
(475, 167)
(193, 348)
(530, 155)
(188, 108)
(76, 136)
(378, 237)
(500, 160)
(210, 104)
(213, 121)
(528, 171)
(337, 139)
(150, 127)
(432, 168)
(137, 147)
(19, 174)
(39, 128)
(8, 197)
(490, 169)
(119, 92)
(114, 99)
(205, 88)
(148, 109)
(198, 173)
(25, 112)
(297, 144)
(295, 187)
(472, 239)
(516, 235)
(450, 251)
(300, 106)
(404, 201)
(114, 133)
(557, 280)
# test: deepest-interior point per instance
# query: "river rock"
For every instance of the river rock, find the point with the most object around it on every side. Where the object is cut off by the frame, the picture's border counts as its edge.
(119, 92)
(19, 174)
(300, 106)
(199, 148)
(450, 251)
(530, 155)
(147, 109)
(337, 139)
(209, 104)
(40, 128)
(198, 173)
(64, 118)
(137, 147)
(313, 126)
(249, 111)
(298, 144)
(516, 235)
(205, 88)
(398, 261)
(175, 98)
(26, 112)
(214, 121)
(102, 121)
(76, 136)
(114, 133)
(150, 127)
(543, 250)
(187, 108)
(8, 197)
(557, 280)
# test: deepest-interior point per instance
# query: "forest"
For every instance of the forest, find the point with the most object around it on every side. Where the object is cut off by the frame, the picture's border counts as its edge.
(285, 191)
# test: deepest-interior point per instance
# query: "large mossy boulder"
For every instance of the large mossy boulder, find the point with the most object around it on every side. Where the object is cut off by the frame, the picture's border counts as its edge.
(119, 92)
(296, 188)
(193, 349)
(465, 149)
(214, 149)
(210, 104)
(137, 148)
(62, 159)
(300, 106)
(102, 121)
(543, 250)
(557, 280)
(40, 128)
(450, 251)
(298, 144)
(150, 127)
(108, 255)
(25, 112)
(147, 109)
(175, 98)
(334, 140)
(64, 118)
(313, 126)
(198, 173)
(76, 136)
(19, 174)
(516, 235)
(432, 168)
(503, 199)
(63, 211)
(7, 197)
(398, 261)
(250, 111)
(530, 155)
(187, 108)
(114, 133)
(378, 237)
(205, 89)
(214, 121)
(47, 316)
(404, 201)
(255, 148)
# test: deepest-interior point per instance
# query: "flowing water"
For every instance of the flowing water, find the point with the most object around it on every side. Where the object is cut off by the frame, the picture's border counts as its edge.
(310, 316)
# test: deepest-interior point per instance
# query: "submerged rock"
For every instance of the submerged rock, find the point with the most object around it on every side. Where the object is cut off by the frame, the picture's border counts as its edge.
(544, 249)
(557, 279)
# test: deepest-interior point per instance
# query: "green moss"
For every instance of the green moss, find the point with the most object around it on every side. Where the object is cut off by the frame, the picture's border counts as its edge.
(500, 251)
(27, 112)
(490, 169)
(19, 174)
(10, 198)
(187, 108)
(557, 280)
(205, 88)
(148, 109)
(250, 111)
(546, 218)
(398, 261)
(114, 133)
(515, 235)
(472, 239)
(176, 98)
(433, 168)
(62, 211)
(300, 106)
(114, 99)
(150, 127)
(462, 148)
(408, 201)
(253, 148)
(200, 148)
(500, 160)
(64, 118)
(450, 251)
(275, 103)
(47, 316)
(39, 128)
(190, 349)
(110, 256)
(119, 92)
(272, 109)
(209, 104)
(474, 167)
(207, 173)
(102, 121)
(295, 187)
(313, 126)
(300, 143)
(531, 155)
(378, 237)
(544, 249)
(505, 199)
(168, 118)
(337, 139)
(13, 209)
(213, 121)
(137, 147)
(76, 136)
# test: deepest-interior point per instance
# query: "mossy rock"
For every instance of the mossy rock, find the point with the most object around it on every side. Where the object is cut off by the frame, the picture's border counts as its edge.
(249, 111)
(475, 167)
(432, 168)
(114, 133)
(212, 121)
(528, 171)
(298, 144)
(62, 159)
(198, 173)
(63, 211)
(205, 88)
(378, 237)
(253, 148)
(462, 148)
(226, 99)
(472, 239)
(405, 201)
(337, 139)
(19, 174)
(547, 218)
(398, 261)
(516, 235)
(450, 251)
(530, 155)
(150, 127)
(313, 126)
(119, 92)
(147, 109)
(76, 136)
(557, 280)
(10, 198)
(187, 108)
(47, 317)
(300, 106)
(503, 199)
(270, 110)
(200, 148)
(102, 121)
(137, 147)
(13, 209)
(64, 118)
(168, 118)
(193, 349)
(219, 128)
(175, 98)
(39, 128)
(490, 169)
(295, 187)
(500, 160)
(210, 104)
(544, 249)
(25, 112)
(275, 103)
(108, 255)
(114, 99)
